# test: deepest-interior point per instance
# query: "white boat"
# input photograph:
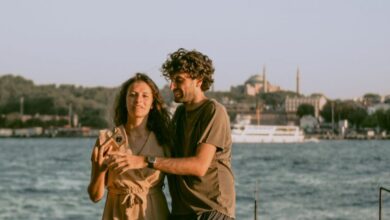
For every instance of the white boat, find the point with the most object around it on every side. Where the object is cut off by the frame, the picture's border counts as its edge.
(247, 133)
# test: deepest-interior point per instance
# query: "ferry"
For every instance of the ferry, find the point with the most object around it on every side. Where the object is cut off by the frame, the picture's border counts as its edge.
(247, 133)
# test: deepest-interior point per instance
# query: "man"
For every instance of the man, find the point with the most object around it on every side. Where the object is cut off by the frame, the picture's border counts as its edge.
(202, 186)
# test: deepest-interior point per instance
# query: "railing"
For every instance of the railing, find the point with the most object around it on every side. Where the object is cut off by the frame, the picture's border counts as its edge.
(255, 205)
(380, 200)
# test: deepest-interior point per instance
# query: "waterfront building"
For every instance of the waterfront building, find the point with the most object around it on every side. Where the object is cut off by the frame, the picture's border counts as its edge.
(292, 103)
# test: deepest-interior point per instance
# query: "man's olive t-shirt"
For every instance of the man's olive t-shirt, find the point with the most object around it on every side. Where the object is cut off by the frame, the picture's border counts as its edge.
(209, 123)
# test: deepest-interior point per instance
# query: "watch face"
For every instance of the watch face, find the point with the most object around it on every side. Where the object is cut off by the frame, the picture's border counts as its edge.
(151, 160)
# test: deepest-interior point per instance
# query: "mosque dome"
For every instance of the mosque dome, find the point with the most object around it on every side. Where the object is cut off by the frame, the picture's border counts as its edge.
(255, 79)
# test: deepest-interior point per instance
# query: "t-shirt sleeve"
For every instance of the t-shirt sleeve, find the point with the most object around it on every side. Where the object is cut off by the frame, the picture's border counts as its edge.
(217, 130)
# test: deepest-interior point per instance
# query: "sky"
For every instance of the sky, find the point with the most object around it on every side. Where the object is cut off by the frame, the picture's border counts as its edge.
(342, 47)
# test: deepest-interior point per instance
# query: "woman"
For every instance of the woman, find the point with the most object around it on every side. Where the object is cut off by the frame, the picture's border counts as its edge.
(142, 129)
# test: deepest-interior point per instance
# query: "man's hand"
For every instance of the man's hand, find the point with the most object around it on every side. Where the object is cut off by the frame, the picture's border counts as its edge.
(120, 162)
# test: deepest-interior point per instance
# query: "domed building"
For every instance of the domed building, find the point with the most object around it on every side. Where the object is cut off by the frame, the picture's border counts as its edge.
(257, 84)
(255, 79)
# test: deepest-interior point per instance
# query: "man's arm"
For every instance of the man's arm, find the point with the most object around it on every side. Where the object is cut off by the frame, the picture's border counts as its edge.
(196, 165)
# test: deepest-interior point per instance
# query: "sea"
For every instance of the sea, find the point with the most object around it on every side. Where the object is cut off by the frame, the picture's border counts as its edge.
(332, 179)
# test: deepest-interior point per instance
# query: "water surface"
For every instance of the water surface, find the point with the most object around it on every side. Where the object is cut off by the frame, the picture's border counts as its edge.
(47, 179)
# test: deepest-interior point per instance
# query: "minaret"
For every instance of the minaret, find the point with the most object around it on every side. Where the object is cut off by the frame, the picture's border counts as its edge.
(265, 84)
(298, 78)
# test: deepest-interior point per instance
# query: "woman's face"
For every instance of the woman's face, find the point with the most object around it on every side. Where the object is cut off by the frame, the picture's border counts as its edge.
(139, 99)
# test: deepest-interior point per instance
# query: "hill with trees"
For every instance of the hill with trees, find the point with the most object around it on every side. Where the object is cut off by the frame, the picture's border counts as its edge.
(92, 105)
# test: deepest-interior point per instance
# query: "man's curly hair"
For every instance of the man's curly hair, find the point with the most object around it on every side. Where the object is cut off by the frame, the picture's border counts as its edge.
(196, 64)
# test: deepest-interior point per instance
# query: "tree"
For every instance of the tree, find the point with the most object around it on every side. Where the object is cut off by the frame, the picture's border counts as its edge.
(12, 87)
(2, 121)
(93, 118)
(371, 99)
(17, 123)
(39, 105)
(34, 122)
(93, 121)
(356, 116)
(383, 119)
(326, 111)
(349, 110)
(305, 109)
(371, 121)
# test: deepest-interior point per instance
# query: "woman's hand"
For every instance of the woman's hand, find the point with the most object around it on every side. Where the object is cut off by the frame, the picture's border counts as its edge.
(120, 162)
(99, 155)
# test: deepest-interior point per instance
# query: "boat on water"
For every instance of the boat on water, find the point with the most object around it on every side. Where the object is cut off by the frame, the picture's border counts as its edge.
(248, 133)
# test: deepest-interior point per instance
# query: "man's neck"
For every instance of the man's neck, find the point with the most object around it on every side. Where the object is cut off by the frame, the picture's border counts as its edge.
(198, 101)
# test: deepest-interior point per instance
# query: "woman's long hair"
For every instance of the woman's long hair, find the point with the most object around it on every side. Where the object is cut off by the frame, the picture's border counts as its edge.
(159, 117)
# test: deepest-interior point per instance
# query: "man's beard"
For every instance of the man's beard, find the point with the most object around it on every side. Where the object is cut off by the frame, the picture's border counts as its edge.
(178, 95)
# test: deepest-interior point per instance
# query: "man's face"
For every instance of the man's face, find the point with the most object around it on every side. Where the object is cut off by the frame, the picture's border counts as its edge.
(184, 88)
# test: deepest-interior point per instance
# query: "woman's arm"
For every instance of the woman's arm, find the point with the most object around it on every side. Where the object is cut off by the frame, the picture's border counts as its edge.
(98, 171)
(97, 183)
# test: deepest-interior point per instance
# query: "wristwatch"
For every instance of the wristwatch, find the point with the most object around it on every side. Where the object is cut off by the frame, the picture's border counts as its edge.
(151, 161)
